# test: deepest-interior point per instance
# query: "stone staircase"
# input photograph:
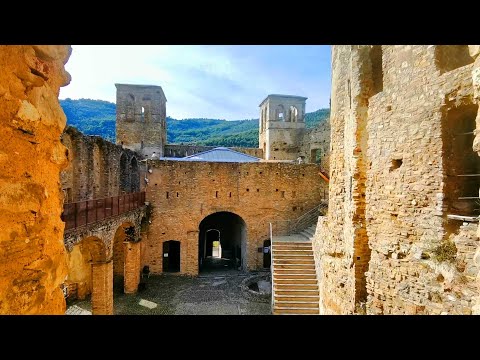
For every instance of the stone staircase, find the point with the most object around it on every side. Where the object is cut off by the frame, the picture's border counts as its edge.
(295, 286)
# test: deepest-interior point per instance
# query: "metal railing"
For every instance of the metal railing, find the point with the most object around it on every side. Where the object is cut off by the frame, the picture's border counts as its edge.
(289, 227)
(87, 212)
(293, 226)
(271, 267)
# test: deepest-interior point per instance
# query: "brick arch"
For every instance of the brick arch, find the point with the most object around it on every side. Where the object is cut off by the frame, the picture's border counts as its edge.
(95, 247)
(234, 237)
(121, 235)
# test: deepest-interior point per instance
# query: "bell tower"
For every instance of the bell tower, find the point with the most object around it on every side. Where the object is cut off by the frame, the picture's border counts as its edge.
(281, 126)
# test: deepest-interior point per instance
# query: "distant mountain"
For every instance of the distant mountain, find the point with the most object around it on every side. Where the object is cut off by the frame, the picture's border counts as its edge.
(97, 117)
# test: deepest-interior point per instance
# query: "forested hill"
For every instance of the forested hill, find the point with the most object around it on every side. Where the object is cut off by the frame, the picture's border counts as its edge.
(97, 117)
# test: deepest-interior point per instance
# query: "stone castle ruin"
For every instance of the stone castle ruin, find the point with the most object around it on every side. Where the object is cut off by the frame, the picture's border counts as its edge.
(400, 235)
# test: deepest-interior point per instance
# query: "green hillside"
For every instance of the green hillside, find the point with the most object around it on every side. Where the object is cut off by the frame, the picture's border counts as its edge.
(97, 117)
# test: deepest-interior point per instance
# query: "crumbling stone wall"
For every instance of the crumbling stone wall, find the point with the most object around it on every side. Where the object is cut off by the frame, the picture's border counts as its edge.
(387, 246)
(96, 169)
(178, 151)
(141, 118)
(257, 192)
(32, 255)
(315, 143)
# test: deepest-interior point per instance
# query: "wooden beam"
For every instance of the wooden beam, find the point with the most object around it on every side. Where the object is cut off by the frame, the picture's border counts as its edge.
(324, 177)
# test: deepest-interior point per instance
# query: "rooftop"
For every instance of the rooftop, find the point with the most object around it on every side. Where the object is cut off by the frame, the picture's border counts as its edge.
(283, 96)
(219, 154)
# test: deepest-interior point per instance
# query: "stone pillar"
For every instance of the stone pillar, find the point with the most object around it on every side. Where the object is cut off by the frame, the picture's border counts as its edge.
(32, 254)
(102, 288)
(132, 267)
(189, 263)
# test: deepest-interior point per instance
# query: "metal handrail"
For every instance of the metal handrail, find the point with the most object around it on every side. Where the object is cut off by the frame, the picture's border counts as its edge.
(296, 225)
(87, 212)
(271, 267)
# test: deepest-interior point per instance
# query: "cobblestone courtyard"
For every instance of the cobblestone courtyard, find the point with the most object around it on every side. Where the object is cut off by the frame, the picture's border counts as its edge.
(209, 294)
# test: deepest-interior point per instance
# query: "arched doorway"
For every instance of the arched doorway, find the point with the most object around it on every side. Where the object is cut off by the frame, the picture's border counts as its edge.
(230, 231)
(171, 256)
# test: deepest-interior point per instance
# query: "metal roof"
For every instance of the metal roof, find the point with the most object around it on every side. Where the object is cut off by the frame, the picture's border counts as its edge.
(220, 154)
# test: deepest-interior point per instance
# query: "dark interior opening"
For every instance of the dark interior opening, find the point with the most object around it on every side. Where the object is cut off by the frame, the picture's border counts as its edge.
(461, 163)
(377, 69)
(228, 230)
(267, 254)
(171, 256)
(315, 156)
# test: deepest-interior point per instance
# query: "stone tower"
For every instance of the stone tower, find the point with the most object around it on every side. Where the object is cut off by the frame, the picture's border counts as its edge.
(141, 113)
(281, 126)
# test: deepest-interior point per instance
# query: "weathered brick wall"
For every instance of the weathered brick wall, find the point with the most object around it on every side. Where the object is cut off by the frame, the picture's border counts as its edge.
(257, 192)
(391, 182)
(132, 267)
(32, 255)
(96, 169)
(178, 151)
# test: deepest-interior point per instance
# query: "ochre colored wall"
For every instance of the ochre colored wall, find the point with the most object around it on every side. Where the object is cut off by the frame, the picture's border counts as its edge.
(32, 254)
(276, 191)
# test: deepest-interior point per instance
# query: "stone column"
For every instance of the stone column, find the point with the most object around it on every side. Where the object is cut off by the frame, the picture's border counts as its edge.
(102, 288)
(189, 263)
(132, 267)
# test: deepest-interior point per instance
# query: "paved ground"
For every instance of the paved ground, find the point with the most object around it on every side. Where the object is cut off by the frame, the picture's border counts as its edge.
(211, 293)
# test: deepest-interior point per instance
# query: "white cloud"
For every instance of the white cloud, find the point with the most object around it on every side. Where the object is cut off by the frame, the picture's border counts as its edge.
(199, 81)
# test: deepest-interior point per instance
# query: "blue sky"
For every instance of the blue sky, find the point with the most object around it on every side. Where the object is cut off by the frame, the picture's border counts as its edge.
(204, 81)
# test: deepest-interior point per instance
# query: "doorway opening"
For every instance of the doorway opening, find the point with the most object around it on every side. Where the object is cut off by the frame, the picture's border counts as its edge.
(222, 243)
(171, 256)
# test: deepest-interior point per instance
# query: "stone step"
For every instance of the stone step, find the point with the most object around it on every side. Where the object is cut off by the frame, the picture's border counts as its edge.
(277, 266)
(293, 251)
(291, 247)
(296, 304)
(290, 286)
(294, 276)
(297, 241)
(307, 234)
(310, 231)
(297, 292)
(295, 281)
(297, 261)
(295, 255)
(308, 298)
(294, 272)
(296, 311)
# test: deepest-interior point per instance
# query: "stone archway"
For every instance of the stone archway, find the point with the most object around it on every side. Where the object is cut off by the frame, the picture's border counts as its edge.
(126, 259)
(232, 236)
(92, 272)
